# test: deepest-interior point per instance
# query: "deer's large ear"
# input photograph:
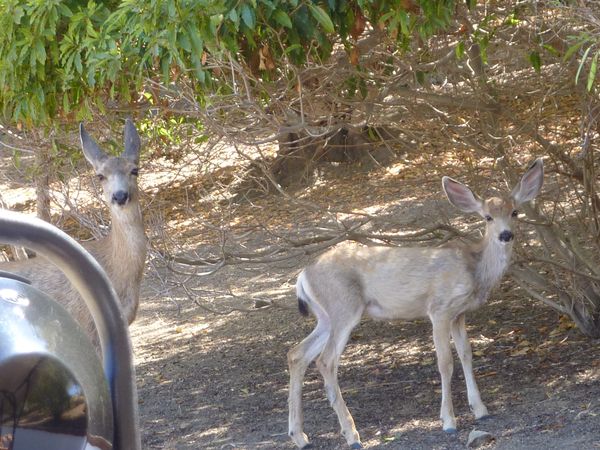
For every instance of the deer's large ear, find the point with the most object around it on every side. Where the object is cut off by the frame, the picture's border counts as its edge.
(530, 184)
(132, 142)
(92, 152)
(461, 196)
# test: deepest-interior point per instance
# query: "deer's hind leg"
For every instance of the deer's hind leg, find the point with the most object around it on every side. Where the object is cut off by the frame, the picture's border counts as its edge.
(299, 358)
(328, 363)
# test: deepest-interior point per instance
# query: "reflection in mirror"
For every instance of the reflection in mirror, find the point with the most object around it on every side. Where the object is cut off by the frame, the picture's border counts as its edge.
(43, 406)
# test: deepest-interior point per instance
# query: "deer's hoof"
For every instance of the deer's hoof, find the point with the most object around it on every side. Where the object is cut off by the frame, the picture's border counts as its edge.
(356, 446)
(307, 446)
(485, 418)
(450, 430)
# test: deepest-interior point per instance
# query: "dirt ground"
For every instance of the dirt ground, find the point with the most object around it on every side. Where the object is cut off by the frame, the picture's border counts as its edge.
(212, 381)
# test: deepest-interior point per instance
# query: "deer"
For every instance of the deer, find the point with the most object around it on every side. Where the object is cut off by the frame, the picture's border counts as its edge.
(391, 283)
(121, 253)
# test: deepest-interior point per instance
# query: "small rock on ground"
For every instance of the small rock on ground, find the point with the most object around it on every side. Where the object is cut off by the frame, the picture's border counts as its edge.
(477, 438)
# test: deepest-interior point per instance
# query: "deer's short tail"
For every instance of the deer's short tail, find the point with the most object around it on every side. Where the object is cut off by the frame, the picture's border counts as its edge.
(303, 307)
(303, 298)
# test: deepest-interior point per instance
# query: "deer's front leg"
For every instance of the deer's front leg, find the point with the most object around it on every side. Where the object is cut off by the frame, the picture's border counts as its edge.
(443, 350)
(463, 348)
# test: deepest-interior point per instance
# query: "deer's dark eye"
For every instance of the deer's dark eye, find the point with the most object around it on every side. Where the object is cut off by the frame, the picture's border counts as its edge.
(515, 213)
(135, 172)
(488, 218)
(100, 177)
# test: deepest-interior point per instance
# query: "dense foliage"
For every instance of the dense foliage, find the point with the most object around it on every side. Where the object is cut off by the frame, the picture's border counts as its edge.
(60, 59)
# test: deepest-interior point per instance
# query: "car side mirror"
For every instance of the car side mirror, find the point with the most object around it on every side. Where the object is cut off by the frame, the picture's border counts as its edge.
(55, 393)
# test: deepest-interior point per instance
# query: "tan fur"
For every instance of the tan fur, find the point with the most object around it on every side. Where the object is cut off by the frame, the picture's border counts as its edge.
(122, 253)
(404, 283)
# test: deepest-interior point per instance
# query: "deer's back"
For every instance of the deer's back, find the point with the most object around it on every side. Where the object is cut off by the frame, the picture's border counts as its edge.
(396, 283)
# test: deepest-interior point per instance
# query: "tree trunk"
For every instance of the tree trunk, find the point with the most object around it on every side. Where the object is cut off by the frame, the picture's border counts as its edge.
(42, 182)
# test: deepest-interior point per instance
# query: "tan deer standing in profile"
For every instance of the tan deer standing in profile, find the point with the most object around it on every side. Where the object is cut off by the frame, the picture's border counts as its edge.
(405, 283)
(122, 253)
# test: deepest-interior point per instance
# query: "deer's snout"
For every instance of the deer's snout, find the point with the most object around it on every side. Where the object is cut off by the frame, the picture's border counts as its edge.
(120, 197)
(506, 236)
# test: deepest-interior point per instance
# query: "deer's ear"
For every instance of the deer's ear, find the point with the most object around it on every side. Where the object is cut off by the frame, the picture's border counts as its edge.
(530, 184)
(132, 142)
(461, 196)
(92, 152)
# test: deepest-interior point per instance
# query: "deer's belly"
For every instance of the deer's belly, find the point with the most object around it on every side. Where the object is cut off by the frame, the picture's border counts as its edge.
(410, 299)
(405, 310)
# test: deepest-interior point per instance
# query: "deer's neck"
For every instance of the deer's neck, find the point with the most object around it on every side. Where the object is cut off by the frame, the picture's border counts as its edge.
(123, 254)
(491, 261)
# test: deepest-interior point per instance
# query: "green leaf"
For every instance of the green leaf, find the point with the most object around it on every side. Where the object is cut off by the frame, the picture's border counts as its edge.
(293, 47)
(269, 5)
(216, 20)
(248, 16)
(17, 111)
(233, 16)
(404, 23)
(572, 49)
(171, 9)
(40, 52)
(303, 24)
(483, 46)
(363, 89)
(17, 159)
(66, 104)
(200, 74)
(535, 61)
(550, 49)
(196, 40)
(165, 66)
(459, 51)
(64, 10)
(322, 17)
(420, 76)
(282, 18)
(18, 14)
(582, 63)
(512, 20)
(592, 74)
(78, 64)
(184, 42)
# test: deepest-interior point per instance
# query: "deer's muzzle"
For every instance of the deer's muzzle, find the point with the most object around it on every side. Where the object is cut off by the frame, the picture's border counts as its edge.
(120, 197)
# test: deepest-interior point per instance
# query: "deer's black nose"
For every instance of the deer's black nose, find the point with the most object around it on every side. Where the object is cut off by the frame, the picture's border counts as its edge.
(506, 236)
(120, 197)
